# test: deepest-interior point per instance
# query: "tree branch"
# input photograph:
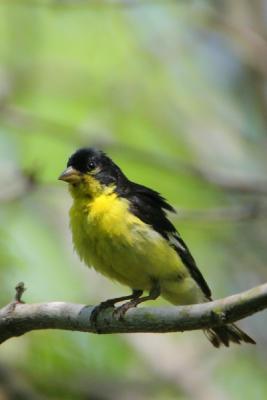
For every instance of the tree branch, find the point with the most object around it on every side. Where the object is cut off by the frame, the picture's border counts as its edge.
(246, 212)
(18, 318)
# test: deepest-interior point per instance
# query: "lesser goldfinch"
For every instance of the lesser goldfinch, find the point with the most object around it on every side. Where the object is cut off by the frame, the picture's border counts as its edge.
(121, 229)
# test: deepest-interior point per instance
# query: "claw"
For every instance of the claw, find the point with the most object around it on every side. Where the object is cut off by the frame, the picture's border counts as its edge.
(119, 312)
(95, 313)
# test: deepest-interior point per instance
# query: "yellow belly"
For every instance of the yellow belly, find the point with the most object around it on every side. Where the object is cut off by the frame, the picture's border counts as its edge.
(122, 247)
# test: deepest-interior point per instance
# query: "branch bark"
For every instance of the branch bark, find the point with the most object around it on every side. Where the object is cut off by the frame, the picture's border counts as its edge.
(17, 318)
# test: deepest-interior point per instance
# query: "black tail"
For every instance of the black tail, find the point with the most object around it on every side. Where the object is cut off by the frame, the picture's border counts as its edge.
(226, 334)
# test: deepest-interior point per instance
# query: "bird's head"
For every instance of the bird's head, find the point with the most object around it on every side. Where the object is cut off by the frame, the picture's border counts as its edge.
(90, 172)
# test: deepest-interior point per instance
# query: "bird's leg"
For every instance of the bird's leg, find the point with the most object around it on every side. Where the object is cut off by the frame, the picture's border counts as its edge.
(153, 295)
(110, 303)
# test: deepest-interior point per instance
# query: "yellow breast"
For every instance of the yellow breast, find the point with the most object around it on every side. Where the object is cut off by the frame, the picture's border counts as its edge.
(119, 245)
(102, 235)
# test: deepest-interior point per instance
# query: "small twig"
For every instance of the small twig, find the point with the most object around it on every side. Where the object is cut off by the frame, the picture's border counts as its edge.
(20, 289)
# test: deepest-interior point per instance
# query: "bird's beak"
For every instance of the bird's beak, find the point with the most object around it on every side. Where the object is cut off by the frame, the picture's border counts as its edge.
(70, 175)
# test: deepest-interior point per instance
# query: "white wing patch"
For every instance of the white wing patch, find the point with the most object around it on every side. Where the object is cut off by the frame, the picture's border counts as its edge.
(174, 240)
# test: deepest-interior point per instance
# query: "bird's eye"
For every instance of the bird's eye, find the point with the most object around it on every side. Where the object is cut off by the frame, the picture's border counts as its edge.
(91, 165)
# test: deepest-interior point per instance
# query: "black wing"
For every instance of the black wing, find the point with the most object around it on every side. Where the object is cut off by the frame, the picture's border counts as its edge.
(151, 207)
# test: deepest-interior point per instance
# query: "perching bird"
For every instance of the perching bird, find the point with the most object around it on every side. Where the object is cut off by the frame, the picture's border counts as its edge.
(121, 229)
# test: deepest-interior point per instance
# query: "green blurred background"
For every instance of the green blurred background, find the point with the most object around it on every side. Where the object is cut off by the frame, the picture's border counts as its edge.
(175, 92)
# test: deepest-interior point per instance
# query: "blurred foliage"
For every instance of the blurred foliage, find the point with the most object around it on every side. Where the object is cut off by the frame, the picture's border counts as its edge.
(175, 92)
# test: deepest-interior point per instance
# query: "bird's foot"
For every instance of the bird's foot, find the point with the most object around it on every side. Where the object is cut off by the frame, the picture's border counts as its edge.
(96, 311)
(120, 312)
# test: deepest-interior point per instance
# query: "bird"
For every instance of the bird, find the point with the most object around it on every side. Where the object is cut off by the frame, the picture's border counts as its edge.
(122, 230)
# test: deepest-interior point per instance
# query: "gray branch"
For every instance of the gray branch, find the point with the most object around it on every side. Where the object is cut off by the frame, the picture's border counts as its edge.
(17, 318)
